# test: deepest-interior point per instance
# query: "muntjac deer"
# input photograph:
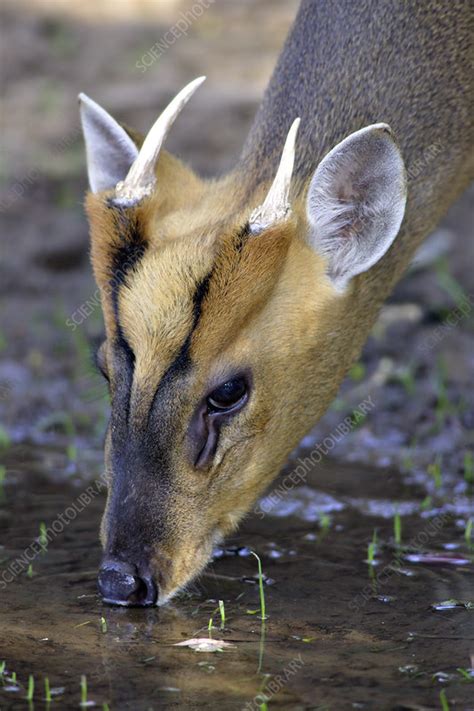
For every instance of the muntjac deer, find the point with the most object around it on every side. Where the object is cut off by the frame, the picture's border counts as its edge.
(234, 307)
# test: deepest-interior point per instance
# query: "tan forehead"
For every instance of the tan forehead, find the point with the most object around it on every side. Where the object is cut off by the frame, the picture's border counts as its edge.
(157, 306)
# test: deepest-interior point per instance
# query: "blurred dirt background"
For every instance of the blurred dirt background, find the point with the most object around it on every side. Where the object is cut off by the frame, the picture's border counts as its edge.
(418, 364)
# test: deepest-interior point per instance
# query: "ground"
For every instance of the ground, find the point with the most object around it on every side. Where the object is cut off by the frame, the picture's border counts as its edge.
(365, 642)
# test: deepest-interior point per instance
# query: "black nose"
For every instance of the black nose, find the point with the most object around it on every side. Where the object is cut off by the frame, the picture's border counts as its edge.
(120, 584)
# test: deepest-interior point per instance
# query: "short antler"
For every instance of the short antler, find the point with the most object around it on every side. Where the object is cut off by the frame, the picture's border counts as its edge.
(276, 205)
(141, 179)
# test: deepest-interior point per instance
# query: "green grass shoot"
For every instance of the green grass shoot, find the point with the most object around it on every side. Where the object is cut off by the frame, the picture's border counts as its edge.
(260, 586)
(436, 472)
(222, 613)
(466, 674)
(450, 285)
(443, 700)
(468, 532)
(4, 438)
(47, 690)
(324, 523)
(83, 690)
(71, 452)
(103, 625)
(31, 688)
(407, 379)
(443, 405)
(469, 468)
(209, 626)
(357, 372)
(426, 503)
(2, 668)
(397, 529)
(372, 548)
(43, 536)
(29, 571)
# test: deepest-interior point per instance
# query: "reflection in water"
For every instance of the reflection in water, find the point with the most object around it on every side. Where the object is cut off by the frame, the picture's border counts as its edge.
(337, 632)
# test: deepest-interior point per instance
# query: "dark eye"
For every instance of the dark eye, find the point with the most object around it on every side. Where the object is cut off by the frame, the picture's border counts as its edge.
(227, 395)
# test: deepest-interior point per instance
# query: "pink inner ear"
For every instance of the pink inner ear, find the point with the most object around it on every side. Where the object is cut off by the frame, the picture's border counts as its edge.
(356, 201)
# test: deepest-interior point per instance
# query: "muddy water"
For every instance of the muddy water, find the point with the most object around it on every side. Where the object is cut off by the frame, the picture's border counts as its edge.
(340, 634)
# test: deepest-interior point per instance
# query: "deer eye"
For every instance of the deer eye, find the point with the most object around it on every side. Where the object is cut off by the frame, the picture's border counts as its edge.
(228, 395)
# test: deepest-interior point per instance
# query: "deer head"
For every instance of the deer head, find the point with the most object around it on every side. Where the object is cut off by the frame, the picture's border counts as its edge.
(232, 312)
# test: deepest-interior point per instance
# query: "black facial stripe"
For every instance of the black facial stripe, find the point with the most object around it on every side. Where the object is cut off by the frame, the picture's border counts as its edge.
(128, 254)
(182, 361)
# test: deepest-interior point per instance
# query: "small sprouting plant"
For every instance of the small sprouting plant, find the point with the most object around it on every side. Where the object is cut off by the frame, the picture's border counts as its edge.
(435, 471)
(43, 536)
(4, 438)
(83, 690)
(324, 523)
(222, 613)
(469, 468)
(47, 690)
(448, 283)
(29, 570)
(467, 674)
(71, 452)
(260, 586)
(103, 624)
(468, 532)
(2, 668)
(397, 529)
(209, 626)
(443, 700)
(426, 503)
(372, 549)
(407, 379)
(357, 372)
(31, 688)
(443, 405)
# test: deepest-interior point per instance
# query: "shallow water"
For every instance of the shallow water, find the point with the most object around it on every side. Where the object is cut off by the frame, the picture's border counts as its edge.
(337, 636)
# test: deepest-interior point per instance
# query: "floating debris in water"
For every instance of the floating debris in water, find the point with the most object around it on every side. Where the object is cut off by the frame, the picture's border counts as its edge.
(276, 554)
(230, 552)
(384, 508)
(451, 605)
(443, 677)
(254, 580)
(403, 571)
(410, 669)
(204, 644)
(436, 559)
(385, 598)
(303, 502)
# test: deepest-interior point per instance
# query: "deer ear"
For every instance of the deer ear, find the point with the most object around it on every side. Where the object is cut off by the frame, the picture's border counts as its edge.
(110, 150)
(356, 202)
